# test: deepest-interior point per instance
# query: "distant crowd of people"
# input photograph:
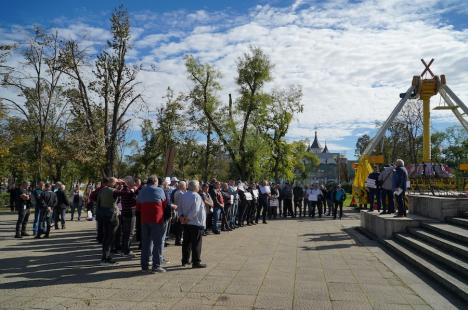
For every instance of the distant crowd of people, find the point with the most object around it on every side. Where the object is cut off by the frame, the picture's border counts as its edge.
(128, 209)
(387, 188)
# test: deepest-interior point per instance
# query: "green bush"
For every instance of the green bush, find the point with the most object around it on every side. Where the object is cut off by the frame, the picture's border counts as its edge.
(4, 200)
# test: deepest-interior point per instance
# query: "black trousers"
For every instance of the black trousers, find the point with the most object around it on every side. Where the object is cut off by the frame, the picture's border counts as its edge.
(117, 244)
(178, 231)
(331, 207)
(99, 232)
(338, 205)
(248, 212)
(78, 207)
(192, 244)
(23, 217)
(241, 213)
(253, 211)
(298, 205)
(262, 208)
(59, 213)
(108, 234)
(225, 216)
(312, 206)
(287, 208)
(128, 227)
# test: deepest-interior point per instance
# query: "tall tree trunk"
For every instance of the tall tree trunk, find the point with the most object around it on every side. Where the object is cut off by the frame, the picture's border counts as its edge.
(207, 154)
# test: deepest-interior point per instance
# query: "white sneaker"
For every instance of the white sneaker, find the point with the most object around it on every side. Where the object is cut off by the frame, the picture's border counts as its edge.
(159, 270)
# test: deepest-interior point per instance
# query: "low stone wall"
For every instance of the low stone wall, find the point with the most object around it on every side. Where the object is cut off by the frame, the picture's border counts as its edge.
(384, 226)
(437, 208)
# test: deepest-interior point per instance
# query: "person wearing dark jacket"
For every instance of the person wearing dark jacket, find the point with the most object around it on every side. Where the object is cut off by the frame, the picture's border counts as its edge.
(399, 179)
(374, 189)
(36, 204)
(127, 195)
(108, 217)
(287, 196)
(22, 202)
(76, 203)
(62, 204)
(249, 206)
(298, 193)
(254, 203)
(339, 196)
(242, 205)
(264, 196)
(92, 200)
(48, 204)
(215, 193)
(228, 201)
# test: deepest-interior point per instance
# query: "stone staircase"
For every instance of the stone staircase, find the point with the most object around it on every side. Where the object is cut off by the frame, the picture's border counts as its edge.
(439, 250)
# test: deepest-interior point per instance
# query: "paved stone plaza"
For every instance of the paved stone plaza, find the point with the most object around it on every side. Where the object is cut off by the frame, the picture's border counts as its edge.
(287, 264)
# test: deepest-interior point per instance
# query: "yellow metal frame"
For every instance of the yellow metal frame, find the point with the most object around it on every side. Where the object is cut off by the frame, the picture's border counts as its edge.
(429, 88)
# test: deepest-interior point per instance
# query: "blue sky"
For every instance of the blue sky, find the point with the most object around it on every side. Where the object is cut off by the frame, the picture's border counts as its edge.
(352, 58)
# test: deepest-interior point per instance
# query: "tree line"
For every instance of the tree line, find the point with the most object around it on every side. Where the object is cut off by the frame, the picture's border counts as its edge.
(70, 116)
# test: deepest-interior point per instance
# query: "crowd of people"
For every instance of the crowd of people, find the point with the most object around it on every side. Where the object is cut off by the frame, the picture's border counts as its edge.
(128, 210)
(386, 188)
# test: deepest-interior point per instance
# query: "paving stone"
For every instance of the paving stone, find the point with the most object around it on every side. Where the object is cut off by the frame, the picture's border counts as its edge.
(16, 302)
(305, 264)
(43, 303)
(273, 302)
(311, 303)
(228, 300)
(350, 305)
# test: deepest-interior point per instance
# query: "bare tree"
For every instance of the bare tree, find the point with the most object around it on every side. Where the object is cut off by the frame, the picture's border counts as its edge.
(38, 83)
(105, 117)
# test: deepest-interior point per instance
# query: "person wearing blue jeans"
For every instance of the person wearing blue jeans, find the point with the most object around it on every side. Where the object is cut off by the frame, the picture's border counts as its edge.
(399, 179)
(151, 202)
(151, 244)
(37, 205)
(234, 209)
(215, 193)
(216, 216)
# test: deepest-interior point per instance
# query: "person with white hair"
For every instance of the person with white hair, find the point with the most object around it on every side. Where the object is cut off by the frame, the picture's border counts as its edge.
(399, 180)
(193, 216)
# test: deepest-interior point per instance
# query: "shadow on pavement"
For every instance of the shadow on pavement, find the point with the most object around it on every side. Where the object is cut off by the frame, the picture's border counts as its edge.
(345, 235)
(64, 258)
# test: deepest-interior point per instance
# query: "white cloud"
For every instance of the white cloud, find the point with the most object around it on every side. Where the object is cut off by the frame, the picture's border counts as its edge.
(351, 58)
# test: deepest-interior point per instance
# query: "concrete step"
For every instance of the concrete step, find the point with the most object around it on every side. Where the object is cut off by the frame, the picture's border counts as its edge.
(430, 269)
(459, 221)
(451, 262)
(449, 246)
(448, 231)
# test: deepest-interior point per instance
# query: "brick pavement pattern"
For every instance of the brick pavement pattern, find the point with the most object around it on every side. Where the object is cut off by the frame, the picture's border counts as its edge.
(287, 264)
